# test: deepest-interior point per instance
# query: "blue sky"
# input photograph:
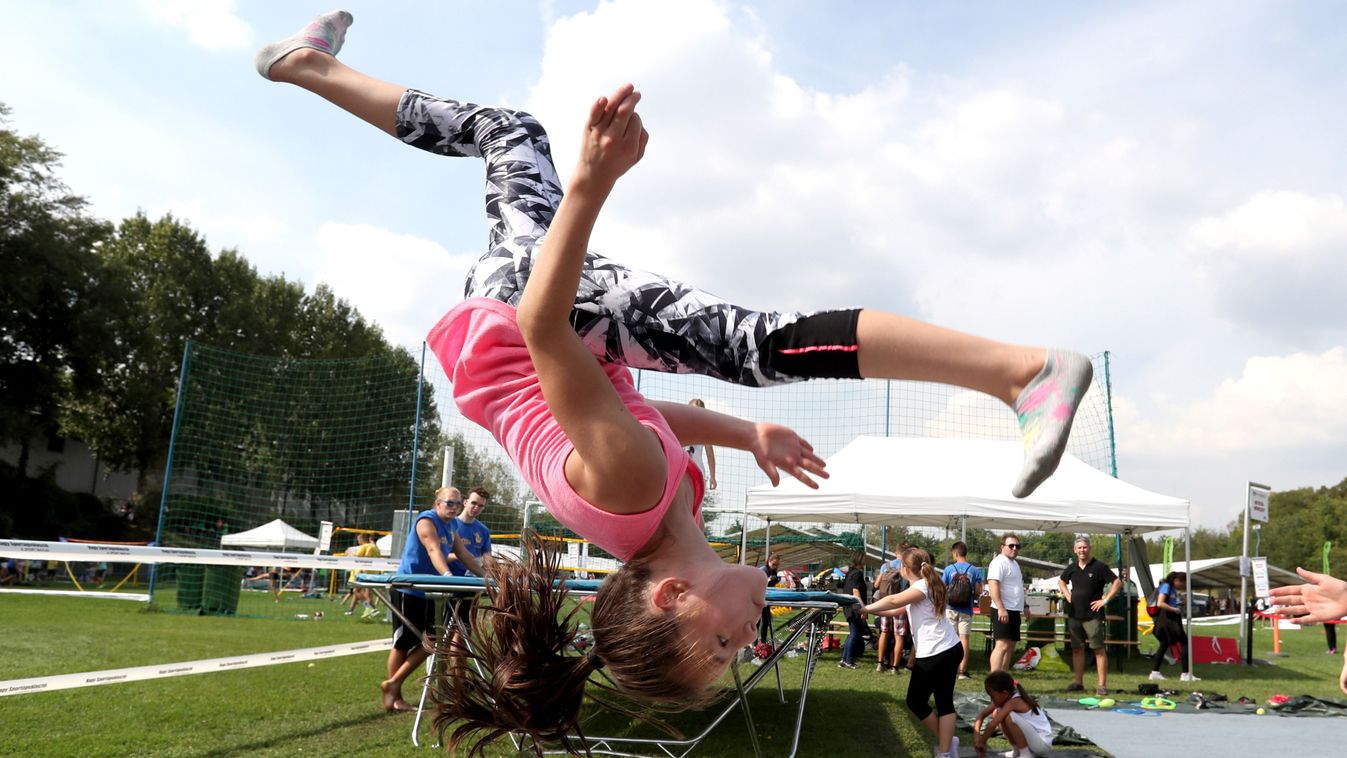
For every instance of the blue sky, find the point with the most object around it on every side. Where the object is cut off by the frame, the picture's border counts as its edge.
(1158, 180)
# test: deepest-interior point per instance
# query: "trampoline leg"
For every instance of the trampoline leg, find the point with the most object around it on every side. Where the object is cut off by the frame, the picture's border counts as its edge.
(780, 688)
(748, 714)
(811, 658)
(421, 704)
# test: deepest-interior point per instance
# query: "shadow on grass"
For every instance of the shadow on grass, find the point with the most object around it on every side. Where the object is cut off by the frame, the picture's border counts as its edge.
(825, 709)
(318, 730)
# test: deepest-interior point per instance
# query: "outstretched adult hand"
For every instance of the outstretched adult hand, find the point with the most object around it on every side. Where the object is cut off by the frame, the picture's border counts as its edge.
(614, 138)
(776, 447)
(1324, 598)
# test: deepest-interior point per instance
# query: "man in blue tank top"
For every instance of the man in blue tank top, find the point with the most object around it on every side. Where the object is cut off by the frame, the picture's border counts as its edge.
(431, 539)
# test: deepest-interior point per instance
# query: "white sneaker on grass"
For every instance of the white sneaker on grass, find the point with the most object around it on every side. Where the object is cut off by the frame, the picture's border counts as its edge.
(1156, 676)
(1186, 677)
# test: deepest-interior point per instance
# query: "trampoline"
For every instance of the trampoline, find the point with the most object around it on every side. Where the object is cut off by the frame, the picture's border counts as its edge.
(811, 613)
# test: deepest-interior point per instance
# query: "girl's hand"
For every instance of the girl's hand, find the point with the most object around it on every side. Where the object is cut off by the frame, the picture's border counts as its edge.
(614, 138)
(1324, 598)
(777, 447)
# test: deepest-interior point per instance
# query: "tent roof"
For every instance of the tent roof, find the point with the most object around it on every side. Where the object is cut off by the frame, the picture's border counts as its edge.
(933, 482)
(273, 535)
(1224, 572)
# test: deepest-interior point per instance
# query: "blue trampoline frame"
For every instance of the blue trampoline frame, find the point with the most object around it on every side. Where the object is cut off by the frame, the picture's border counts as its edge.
(814, 612)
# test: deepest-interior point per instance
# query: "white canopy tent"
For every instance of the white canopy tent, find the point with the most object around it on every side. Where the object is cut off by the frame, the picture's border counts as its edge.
(1223, 572)
(960, 483)
(273, 535)
(904, 481)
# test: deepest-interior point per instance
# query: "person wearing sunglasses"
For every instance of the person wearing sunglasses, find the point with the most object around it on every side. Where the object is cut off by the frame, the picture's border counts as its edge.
(432, 538)
(1005, 584)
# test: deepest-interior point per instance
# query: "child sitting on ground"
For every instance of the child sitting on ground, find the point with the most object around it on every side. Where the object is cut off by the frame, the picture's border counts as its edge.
(1016, 714)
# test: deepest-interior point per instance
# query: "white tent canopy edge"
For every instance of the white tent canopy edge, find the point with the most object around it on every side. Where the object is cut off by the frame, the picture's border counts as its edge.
(940, 482)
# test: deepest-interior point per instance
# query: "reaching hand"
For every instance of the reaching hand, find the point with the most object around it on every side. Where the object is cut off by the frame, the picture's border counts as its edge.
(614, 138)
(777, 447)
(1324, 598)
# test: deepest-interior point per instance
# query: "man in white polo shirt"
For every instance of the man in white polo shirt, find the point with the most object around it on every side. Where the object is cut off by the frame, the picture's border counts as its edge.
(1005, 584)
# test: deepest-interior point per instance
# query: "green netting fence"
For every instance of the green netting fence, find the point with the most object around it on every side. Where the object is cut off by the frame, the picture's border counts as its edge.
(353, 441)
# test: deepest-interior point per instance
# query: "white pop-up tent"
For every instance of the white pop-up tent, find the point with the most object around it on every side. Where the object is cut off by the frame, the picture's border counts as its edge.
(273, 535)
(954, 483)
(905, 481)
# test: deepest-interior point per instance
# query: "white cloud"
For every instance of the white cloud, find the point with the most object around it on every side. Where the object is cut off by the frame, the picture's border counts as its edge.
(394, 280)
(1274, 264)
(1275, 225)
(1279, 403)
(211, 24)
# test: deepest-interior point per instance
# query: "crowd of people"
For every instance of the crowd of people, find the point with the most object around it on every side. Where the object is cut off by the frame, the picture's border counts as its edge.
(924, 616)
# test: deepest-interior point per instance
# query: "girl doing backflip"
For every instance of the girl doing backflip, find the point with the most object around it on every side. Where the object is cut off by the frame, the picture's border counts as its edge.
(538, 354)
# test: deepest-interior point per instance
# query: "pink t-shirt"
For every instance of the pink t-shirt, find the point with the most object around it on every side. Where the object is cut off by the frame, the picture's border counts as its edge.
(495, 385)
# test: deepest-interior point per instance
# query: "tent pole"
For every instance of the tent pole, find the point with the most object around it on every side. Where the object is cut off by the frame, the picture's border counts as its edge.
(1244, 570)
(767, 541)
(1188, 597)
(963, 528)
(743, 535)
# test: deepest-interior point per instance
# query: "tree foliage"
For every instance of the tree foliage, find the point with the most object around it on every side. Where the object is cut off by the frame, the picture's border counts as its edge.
(93, 323)
(49, 290)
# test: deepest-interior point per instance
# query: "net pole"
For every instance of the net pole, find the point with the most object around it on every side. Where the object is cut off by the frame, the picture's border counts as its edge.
(1108, 414)
(416, 430)
(168, 465)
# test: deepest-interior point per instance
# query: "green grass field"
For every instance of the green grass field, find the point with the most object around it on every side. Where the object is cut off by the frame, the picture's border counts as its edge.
(332, 706)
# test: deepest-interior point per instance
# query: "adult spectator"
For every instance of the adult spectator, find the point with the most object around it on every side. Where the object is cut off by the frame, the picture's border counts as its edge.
(963, 582)
(891, 628)
(1169, 625)
(1005, 584)
(1088, 585)
(856, 586)
(429, 542)
(772, 568)
(703, 455)
(364, 548)
(477, 538)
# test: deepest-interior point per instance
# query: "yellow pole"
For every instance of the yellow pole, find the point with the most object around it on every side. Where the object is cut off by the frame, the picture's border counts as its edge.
(72, 576)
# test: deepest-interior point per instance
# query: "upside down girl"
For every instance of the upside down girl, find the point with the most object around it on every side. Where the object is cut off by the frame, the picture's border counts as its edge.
(539, 353)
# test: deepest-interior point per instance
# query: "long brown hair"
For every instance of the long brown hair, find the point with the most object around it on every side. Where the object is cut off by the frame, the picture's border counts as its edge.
(918, 563)
(533, 682)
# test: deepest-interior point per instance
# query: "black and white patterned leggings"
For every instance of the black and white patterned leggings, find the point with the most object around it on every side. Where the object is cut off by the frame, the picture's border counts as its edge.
(624, 316)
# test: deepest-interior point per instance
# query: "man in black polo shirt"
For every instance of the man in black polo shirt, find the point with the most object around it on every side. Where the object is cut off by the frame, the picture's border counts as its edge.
(1088, 584)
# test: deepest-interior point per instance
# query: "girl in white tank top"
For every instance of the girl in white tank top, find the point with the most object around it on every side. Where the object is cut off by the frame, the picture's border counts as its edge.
(1015, 714)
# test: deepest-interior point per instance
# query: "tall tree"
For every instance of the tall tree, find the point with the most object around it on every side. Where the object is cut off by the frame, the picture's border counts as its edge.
(164, 277)
(49, 327)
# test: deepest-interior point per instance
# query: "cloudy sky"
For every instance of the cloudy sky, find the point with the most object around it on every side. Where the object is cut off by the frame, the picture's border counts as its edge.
(1158, 180)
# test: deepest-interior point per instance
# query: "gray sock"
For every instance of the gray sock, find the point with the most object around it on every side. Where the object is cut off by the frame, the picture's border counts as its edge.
(1046, 408)
(325, 33)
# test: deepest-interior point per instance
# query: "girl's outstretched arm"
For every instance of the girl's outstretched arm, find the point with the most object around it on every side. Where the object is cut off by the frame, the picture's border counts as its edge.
(775, 447)
(618, 464)
(890, 604)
